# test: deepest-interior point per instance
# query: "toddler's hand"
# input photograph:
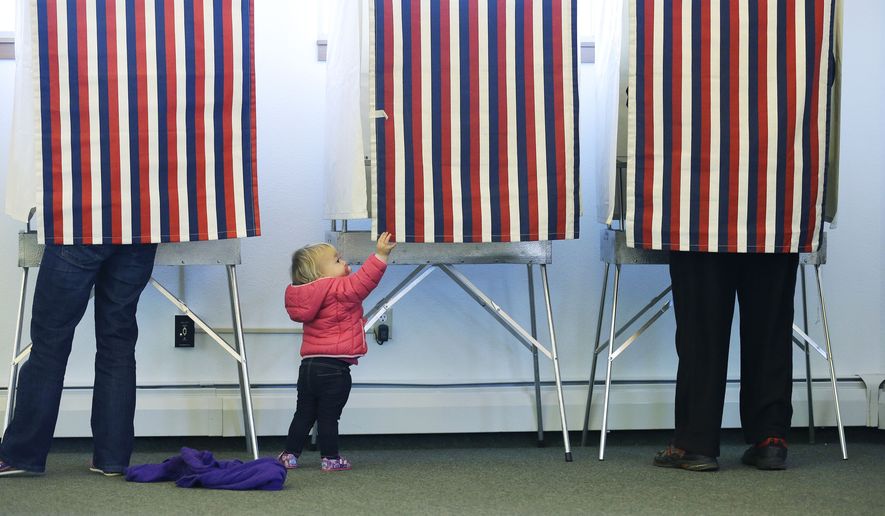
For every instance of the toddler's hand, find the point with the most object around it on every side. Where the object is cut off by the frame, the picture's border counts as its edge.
(384, 245)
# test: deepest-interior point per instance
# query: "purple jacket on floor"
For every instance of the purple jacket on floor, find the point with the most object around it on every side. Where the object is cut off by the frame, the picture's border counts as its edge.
(195, 468)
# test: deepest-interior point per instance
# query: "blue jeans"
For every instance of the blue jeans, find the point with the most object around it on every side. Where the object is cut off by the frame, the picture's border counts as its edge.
(67, 274)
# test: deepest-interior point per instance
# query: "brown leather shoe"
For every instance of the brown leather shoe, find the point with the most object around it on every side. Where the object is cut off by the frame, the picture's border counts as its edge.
(674, 457)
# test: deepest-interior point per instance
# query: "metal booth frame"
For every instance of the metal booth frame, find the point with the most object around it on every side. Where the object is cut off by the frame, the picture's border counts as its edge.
(615, 252)
(427, 257)
(217, 252)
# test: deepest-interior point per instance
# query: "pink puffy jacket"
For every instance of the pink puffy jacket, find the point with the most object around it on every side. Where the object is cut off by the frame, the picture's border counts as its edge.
(332, 311)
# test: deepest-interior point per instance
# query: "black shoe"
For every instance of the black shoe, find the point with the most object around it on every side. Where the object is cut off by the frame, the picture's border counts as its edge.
(674, 457)
(768, 454)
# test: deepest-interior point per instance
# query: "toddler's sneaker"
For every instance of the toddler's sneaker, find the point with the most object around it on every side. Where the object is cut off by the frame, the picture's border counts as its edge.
(289, 460)
(336, 464)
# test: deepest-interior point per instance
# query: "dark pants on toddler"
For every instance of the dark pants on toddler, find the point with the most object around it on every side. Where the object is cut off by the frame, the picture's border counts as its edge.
(704, 289)
(323, 389)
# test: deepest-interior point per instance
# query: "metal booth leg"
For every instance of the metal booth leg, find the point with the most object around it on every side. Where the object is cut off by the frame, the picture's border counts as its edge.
(558, 378)
(16, 350)
(595, 357)
(823, 311)
(519, 332)
(240, 344)
(608, 369)
(808, 378)
(534, 322)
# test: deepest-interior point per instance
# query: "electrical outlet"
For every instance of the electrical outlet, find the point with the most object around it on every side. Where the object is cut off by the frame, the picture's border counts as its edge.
(184, 332)
(386, 318)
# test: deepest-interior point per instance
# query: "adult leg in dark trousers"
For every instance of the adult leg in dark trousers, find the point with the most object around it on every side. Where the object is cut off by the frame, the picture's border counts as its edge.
(765, 295)
(66, 276)
(704, 289)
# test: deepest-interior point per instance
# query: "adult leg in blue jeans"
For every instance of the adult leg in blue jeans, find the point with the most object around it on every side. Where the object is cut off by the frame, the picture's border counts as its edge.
(119, 284)
(65, 279)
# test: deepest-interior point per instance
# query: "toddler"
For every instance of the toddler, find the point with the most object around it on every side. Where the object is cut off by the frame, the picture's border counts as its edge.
(327, 299)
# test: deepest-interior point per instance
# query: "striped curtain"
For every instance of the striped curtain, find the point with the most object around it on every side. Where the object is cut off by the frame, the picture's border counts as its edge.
(728, 123)
(475, 138)
(146, 120)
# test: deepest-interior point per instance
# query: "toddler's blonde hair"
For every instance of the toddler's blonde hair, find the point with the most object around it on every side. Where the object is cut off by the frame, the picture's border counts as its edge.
(304, 263)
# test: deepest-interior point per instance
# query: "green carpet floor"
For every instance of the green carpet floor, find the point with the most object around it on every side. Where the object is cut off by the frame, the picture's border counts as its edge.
(478, 474)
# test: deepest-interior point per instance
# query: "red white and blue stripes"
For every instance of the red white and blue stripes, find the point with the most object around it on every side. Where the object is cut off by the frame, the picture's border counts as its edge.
(478, 142)
(728, 124)
(146, 120)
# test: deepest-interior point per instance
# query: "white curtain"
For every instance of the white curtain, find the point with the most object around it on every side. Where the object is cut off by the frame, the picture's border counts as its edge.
(21, 180)
(607, 100)
(345, 174)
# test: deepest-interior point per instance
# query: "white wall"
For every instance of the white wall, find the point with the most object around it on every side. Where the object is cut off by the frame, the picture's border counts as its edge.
(440, 335)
